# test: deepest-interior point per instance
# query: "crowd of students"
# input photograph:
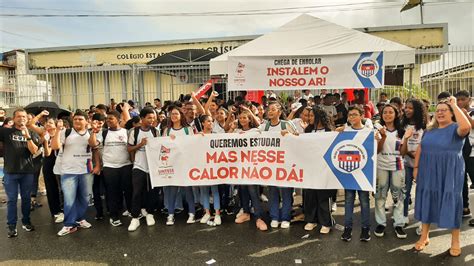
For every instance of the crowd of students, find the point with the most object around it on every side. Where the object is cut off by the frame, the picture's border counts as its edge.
(104, 148)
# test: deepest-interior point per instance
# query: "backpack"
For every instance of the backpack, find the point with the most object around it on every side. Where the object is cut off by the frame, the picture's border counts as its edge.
(104, 134)
(282, 123)
(136, 131)
(186, 130)
(68, 132)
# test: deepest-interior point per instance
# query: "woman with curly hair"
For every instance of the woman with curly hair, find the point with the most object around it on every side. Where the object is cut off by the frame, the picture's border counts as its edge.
(414, 120)
(317, 206)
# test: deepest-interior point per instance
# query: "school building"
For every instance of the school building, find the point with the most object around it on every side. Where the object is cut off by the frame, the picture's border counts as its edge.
(79, 76)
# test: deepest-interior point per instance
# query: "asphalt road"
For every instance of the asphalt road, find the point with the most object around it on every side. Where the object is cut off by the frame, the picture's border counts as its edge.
(228, 244)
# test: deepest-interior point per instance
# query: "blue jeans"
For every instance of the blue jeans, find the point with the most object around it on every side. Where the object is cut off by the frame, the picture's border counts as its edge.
(408, 186)
(76, 190)
(11, 183)
(205, 197)
(283, 214)
(251, 194)
(349, 207)
(395, 180)
(171, 194)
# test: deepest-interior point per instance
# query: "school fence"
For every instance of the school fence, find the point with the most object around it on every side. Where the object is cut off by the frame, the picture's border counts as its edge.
(435, 70)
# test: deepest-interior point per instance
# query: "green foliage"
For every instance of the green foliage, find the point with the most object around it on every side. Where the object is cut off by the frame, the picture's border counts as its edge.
(404, 92)
(284, 97)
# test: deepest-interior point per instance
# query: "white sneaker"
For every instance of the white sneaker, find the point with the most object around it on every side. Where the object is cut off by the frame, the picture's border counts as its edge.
(144, 212)
(134, 224)
(66, 230)
(274, 224)
(59, 218)
(170, 220)
(285, 225)
(334, 207)
(264, 198)
(84, 224)
(191, 219)
(115, 223)
(126, 214)
(205, 218)
(217, 220)
(150, 220)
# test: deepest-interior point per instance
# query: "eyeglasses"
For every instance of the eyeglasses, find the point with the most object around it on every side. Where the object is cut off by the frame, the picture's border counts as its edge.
(353, 115)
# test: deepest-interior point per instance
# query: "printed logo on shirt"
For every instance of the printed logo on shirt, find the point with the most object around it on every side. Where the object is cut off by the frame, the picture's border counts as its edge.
(18, 138)
(348, 157)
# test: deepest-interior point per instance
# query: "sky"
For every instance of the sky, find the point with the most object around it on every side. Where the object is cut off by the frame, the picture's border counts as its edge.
(181, 19)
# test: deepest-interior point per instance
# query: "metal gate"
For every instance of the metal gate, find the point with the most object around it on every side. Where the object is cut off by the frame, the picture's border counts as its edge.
(434, 71)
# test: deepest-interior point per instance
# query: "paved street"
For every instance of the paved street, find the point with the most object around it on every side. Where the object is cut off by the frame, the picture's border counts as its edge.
(229, 244)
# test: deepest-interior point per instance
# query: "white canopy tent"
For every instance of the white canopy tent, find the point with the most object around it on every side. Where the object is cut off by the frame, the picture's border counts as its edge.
(307, 35)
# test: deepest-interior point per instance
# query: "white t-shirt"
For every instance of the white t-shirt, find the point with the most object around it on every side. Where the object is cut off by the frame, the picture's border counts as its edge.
(389, 158)
(216, 128)
(278, 127)
(271, 95)
(318, 130)
(412, 144)
(76, 153)
(306, 97)
(180, 132)
(114, 151)
(351, 129)
(367, 124)
(329, 109)
(239, 130)
(297, 122)
(140, 155)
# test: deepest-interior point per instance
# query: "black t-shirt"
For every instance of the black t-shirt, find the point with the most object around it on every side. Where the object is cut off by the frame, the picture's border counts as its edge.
(341, 108)
(17, 158)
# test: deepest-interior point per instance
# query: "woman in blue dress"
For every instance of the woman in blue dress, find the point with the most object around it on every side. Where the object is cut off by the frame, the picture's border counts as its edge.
(439, 173)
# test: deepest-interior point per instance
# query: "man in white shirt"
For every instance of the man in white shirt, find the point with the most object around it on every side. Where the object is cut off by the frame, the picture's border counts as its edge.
(328, 106)
(76, 172)
(307, 94)
(117, 167)
(142, 191)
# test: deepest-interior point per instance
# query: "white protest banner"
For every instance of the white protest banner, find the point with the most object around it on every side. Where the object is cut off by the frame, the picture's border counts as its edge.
(321, 160)
(364, 70)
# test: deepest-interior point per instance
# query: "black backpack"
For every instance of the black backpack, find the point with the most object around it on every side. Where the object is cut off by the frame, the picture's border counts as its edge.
(467, 148)
(136, 131)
